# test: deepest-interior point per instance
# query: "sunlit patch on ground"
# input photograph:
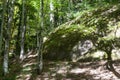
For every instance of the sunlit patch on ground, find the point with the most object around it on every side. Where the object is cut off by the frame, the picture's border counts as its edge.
(78, 70)
(24, 77)
(30, 64)
(63, 70)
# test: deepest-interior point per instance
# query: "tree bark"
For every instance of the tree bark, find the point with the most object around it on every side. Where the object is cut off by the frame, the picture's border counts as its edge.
(40, 39)
(23, 30)
(51, 14)
(10, 12)
(110, 66)
(17, 44)
(2, 24)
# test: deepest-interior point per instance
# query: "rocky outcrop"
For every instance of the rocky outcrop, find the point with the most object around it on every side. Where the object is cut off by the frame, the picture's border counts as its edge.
(100, 27)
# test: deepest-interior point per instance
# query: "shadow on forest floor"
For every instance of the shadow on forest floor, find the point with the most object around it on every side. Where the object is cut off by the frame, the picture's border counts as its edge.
(78, 71)
(110, 66)
(14, 69)
(64, 70)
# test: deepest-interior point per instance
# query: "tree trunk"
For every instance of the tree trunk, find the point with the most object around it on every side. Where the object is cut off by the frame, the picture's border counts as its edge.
(2, 24)
(109, 61)
(40, 39)
(17, 44)
(70, 9)
(10, 11)
(70, 5)
(6, 52)
(110, 66)
(23, 30)
(51, 14)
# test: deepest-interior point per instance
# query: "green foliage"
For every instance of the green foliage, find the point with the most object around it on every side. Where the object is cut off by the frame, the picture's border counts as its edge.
(63, 40)
(97, 20)
(97, 25)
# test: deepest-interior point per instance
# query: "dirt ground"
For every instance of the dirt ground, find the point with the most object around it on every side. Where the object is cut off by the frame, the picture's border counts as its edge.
(63, 70)
(78, 71)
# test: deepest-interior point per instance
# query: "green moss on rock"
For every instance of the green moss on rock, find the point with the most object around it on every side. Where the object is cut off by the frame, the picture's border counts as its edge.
(96, 25)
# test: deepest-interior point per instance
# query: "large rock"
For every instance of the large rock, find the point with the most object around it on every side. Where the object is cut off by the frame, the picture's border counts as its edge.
(80, 49)
(100, 27)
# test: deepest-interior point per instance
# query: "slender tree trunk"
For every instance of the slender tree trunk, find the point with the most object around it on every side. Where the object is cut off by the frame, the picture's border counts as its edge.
(70, 5)
(6, 52)
(23, 29)
(61, 19)
(56, 15)
(70, 9)
(5, 69)
(10, 10)
(40, 39)
(109, 64)
(51, 14)
(17, 44)
(2, 24)
(18, 41)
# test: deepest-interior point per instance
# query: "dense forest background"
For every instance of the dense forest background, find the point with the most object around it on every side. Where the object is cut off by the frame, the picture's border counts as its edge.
(59, 39)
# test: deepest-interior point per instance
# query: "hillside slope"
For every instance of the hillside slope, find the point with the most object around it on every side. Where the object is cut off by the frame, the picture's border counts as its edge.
(101, 26)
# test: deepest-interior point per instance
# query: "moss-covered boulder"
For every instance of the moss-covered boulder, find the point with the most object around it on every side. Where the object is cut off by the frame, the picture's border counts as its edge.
(101, 26)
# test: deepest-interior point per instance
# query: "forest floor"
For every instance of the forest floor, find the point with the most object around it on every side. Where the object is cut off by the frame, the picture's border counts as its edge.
(63, 70)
